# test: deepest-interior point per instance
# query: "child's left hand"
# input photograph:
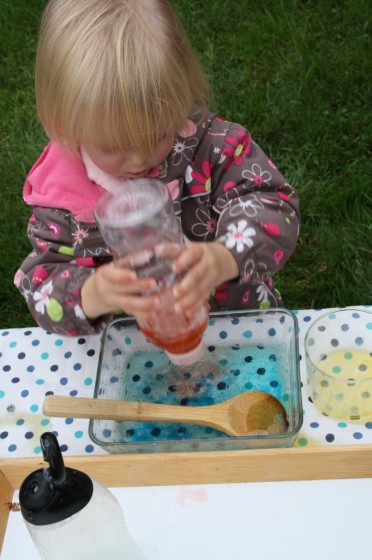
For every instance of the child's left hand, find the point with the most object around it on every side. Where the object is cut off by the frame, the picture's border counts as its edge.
(206, 265)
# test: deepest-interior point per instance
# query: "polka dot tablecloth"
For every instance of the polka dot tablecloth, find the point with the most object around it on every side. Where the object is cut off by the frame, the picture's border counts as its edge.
(34, 363)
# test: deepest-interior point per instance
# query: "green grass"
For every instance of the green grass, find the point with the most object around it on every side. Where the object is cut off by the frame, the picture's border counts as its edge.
(296, 73)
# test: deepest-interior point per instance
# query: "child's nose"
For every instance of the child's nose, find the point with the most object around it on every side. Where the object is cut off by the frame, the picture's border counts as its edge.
(138, 161)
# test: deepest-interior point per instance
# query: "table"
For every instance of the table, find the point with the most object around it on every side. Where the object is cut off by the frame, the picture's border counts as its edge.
(239, 515)
(34, 363)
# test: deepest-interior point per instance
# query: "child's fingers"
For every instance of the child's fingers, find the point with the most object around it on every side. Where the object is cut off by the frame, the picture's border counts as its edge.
(139, 305)
(125, 280)
(188, 258)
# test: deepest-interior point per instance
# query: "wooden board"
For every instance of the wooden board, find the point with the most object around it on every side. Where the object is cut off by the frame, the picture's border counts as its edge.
(266, 465)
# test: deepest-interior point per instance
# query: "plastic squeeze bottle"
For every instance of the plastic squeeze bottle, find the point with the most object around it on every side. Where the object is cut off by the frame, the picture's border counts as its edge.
(71, 516)
(140, 227)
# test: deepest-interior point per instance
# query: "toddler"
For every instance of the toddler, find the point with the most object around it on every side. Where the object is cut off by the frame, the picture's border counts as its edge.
(121, 95)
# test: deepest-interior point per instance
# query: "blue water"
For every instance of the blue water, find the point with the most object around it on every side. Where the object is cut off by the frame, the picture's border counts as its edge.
(223, 372)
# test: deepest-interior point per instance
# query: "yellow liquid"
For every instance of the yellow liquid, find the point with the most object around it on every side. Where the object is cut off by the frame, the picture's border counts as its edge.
(341, 385)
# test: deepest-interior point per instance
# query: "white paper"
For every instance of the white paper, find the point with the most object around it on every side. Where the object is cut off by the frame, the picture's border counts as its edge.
(310, 520)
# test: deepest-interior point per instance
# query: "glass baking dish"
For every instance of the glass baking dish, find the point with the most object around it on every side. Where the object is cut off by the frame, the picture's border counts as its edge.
(244, 351)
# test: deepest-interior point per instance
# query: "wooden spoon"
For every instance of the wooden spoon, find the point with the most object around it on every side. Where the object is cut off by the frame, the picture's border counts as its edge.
(250, 413)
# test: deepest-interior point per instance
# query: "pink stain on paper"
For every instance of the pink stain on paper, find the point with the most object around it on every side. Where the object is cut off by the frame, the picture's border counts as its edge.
(198, 495)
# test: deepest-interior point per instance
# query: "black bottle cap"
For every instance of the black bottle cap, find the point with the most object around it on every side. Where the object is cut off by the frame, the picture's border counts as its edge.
(56, 492)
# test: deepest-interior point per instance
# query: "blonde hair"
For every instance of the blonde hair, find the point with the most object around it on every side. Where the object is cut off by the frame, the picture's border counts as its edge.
(115, 73)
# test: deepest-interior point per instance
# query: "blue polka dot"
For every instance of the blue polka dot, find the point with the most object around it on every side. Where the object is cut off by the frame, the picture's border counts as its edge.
(30, 369)
(63, 447)
(20, 422)
(29, 435)
(81, 341)
(77, 367)
(12, 447)
(69, 421)
(35, 342)
(314, 425)
(368, 425)
(63, 381)
(4, 435)
(5, 333)
(330, 438)
(91, 352)
(54, 368)
(15, 380)
(106, 433)
(235, 321)
(359, 340)
(21, 356)
(222, 334)
(274, 384)
(73, 393)
(68, 355)
(357, 435)
(89, 448)
(116, 352)
(307, 318)
(271, 332)
(7, 368)
(355, 315)
(114, 379)
(24, 393)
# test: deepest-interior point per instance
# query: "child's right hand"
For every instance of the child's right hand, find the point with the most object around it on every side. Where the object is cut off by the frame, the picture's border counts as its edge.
(113, 288)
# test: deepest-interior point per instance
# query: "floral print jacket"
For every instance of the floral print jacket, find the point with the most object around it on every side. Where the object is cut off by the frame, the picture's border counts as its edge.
(223, 187)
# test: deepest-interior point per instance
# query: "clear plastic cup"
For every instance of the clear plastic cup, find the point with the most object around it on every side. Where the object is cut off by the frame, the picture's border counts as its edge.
(338, 353)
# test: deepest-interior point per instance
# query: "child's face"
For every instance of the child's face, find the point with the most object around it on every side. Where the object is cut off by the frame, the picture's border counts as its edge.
(130, 164)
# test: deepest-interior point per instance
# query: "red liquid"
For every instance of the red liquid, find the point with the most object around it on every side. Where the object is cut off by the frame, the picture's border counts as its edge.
(174, 337)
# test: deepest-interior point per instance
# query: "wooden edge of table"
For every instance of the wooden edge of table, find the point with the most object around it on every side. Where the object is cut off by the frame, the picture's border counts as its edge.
(213, 467)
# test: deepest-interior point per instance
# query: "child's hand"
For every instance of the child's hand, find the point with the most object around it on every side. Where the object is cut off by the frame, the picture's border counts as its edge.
(207, 265)
(113, 288)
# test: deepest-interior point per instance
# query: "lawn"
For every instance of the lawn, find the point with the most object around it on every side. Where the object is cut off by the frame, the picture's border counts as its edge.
(296, 73)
